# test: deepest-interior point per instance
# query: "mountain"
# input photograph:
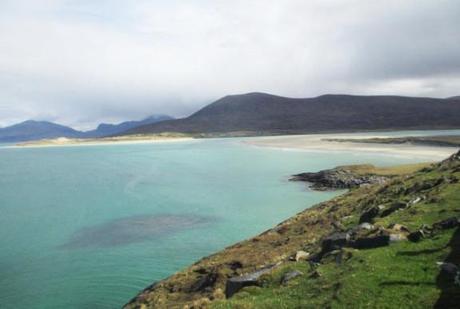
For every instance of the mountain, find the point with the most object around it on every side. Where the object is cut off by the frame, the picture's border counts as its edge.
(259, 113)
(105, 129)
(34, 130)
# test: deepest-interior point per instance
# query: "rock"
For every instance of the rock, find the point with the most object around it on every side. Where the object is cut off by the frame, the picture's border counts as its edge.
(234, 265)
(449, 268)
(368, 215)
(397, 237)
(370, 242)
(237, 283)
(335, 241)
(366, 226)
(416, 236)
(337, 178)
(202, 283)
(301, 255)
(290, 275)
(315, 274)
(398, 227)
(394, 207)
(446, 224)
(415, 200)
(338, 226)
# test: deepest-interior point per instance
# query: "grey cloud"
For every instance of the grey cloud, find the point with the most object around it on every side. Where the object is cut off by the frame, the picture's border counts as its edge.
(82, 62)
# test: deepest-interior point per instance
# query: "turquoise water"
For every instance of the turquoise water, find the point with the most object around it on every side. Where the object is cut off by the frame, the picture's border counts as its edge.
(88, 227)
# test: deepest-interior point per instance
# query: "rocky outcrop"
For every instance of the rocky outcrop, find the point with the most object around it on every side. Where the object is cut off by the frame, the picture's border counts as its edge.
(237, 283)
(427, 231)
(337, 178)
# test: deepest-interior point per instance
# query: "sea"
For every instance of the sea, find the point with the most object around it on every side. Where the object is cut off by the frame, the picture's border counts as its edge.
(91, 226)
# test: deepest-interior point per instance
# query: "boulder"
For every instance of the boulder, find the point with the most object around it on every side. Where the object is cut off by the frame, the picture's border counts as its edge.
(416, 236)
(398, 228)
(416, 200)
(446, 224)
(369, 214)
(290, 275)
(301, 255)
(366, 226)
(370, 242)
(202, 283)
(394, 207)
(237, 283)
(315, 274)
(335, 241)
(449, 268)
(397, 237)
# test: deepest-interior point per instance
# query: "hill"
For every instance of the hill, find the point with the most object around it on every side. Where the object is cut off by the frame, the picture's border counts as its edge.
(392, 244)
(34, 130)
(260, 113)
(105, 129)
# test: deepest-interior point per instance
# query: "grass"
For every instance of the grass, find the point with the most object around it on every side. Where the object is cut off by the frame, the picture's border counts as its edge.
(402, 275)
(387, 277)
(397, 170)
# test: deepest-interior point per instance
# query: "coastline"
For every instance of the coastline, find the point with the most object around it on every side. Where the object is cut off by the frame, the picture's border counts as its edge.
(122, 140)
(321, 143)
(304, 249)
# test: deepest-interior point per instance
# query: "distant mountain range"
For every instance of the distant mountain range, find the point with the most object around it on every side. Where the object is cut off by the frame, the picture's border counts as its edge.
(36, 130)
(260, 113)
(105, 129)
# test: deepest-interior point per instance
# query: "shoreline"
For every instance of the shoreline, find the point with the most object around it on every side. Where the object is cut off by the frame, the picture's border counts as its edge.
(305, 248)
(320, 143)
(72, 142)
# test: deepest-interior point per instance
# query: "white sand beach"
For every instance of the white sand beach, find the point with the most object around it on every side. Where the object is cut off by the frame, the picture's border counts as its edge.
(130, 139)
(319, 143)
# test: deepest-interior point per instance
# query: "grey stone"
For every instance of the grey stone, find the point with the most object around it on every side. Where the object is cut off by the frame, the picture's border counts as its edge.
(370, 242)
(237, 283)
(290, 275)
(368, 215)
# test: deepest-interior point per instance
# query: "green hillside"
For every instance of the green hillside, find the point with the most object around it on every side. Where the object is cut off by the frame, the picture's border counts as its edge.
(377, 246)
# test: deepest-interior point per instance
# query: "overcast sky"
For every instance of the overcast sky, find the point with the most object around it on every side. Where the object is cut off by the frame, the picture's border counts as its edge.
(85, 61)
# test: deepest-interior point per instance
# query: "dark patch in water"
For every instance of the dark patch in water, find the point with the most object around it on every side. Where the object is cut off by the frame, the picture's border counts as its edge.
(134, 229)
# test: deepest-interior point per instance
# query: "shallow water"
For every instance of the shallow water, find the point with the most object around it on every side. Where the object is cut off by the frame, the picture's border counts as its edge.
(88, 227)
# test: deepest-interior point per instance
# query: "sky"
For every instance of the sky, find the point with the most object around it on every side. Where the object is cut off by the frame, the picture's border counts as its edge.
(83, 62)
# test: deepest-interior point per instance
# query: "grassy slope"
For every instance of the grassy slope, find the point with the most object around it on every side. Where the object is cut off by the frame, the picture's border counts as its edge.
(398, 170)
(400, 275)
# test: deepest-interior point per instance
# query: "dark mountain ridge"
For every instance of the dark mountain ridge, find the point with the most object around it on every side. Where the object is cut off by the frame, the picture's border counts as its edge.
(260, 113)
